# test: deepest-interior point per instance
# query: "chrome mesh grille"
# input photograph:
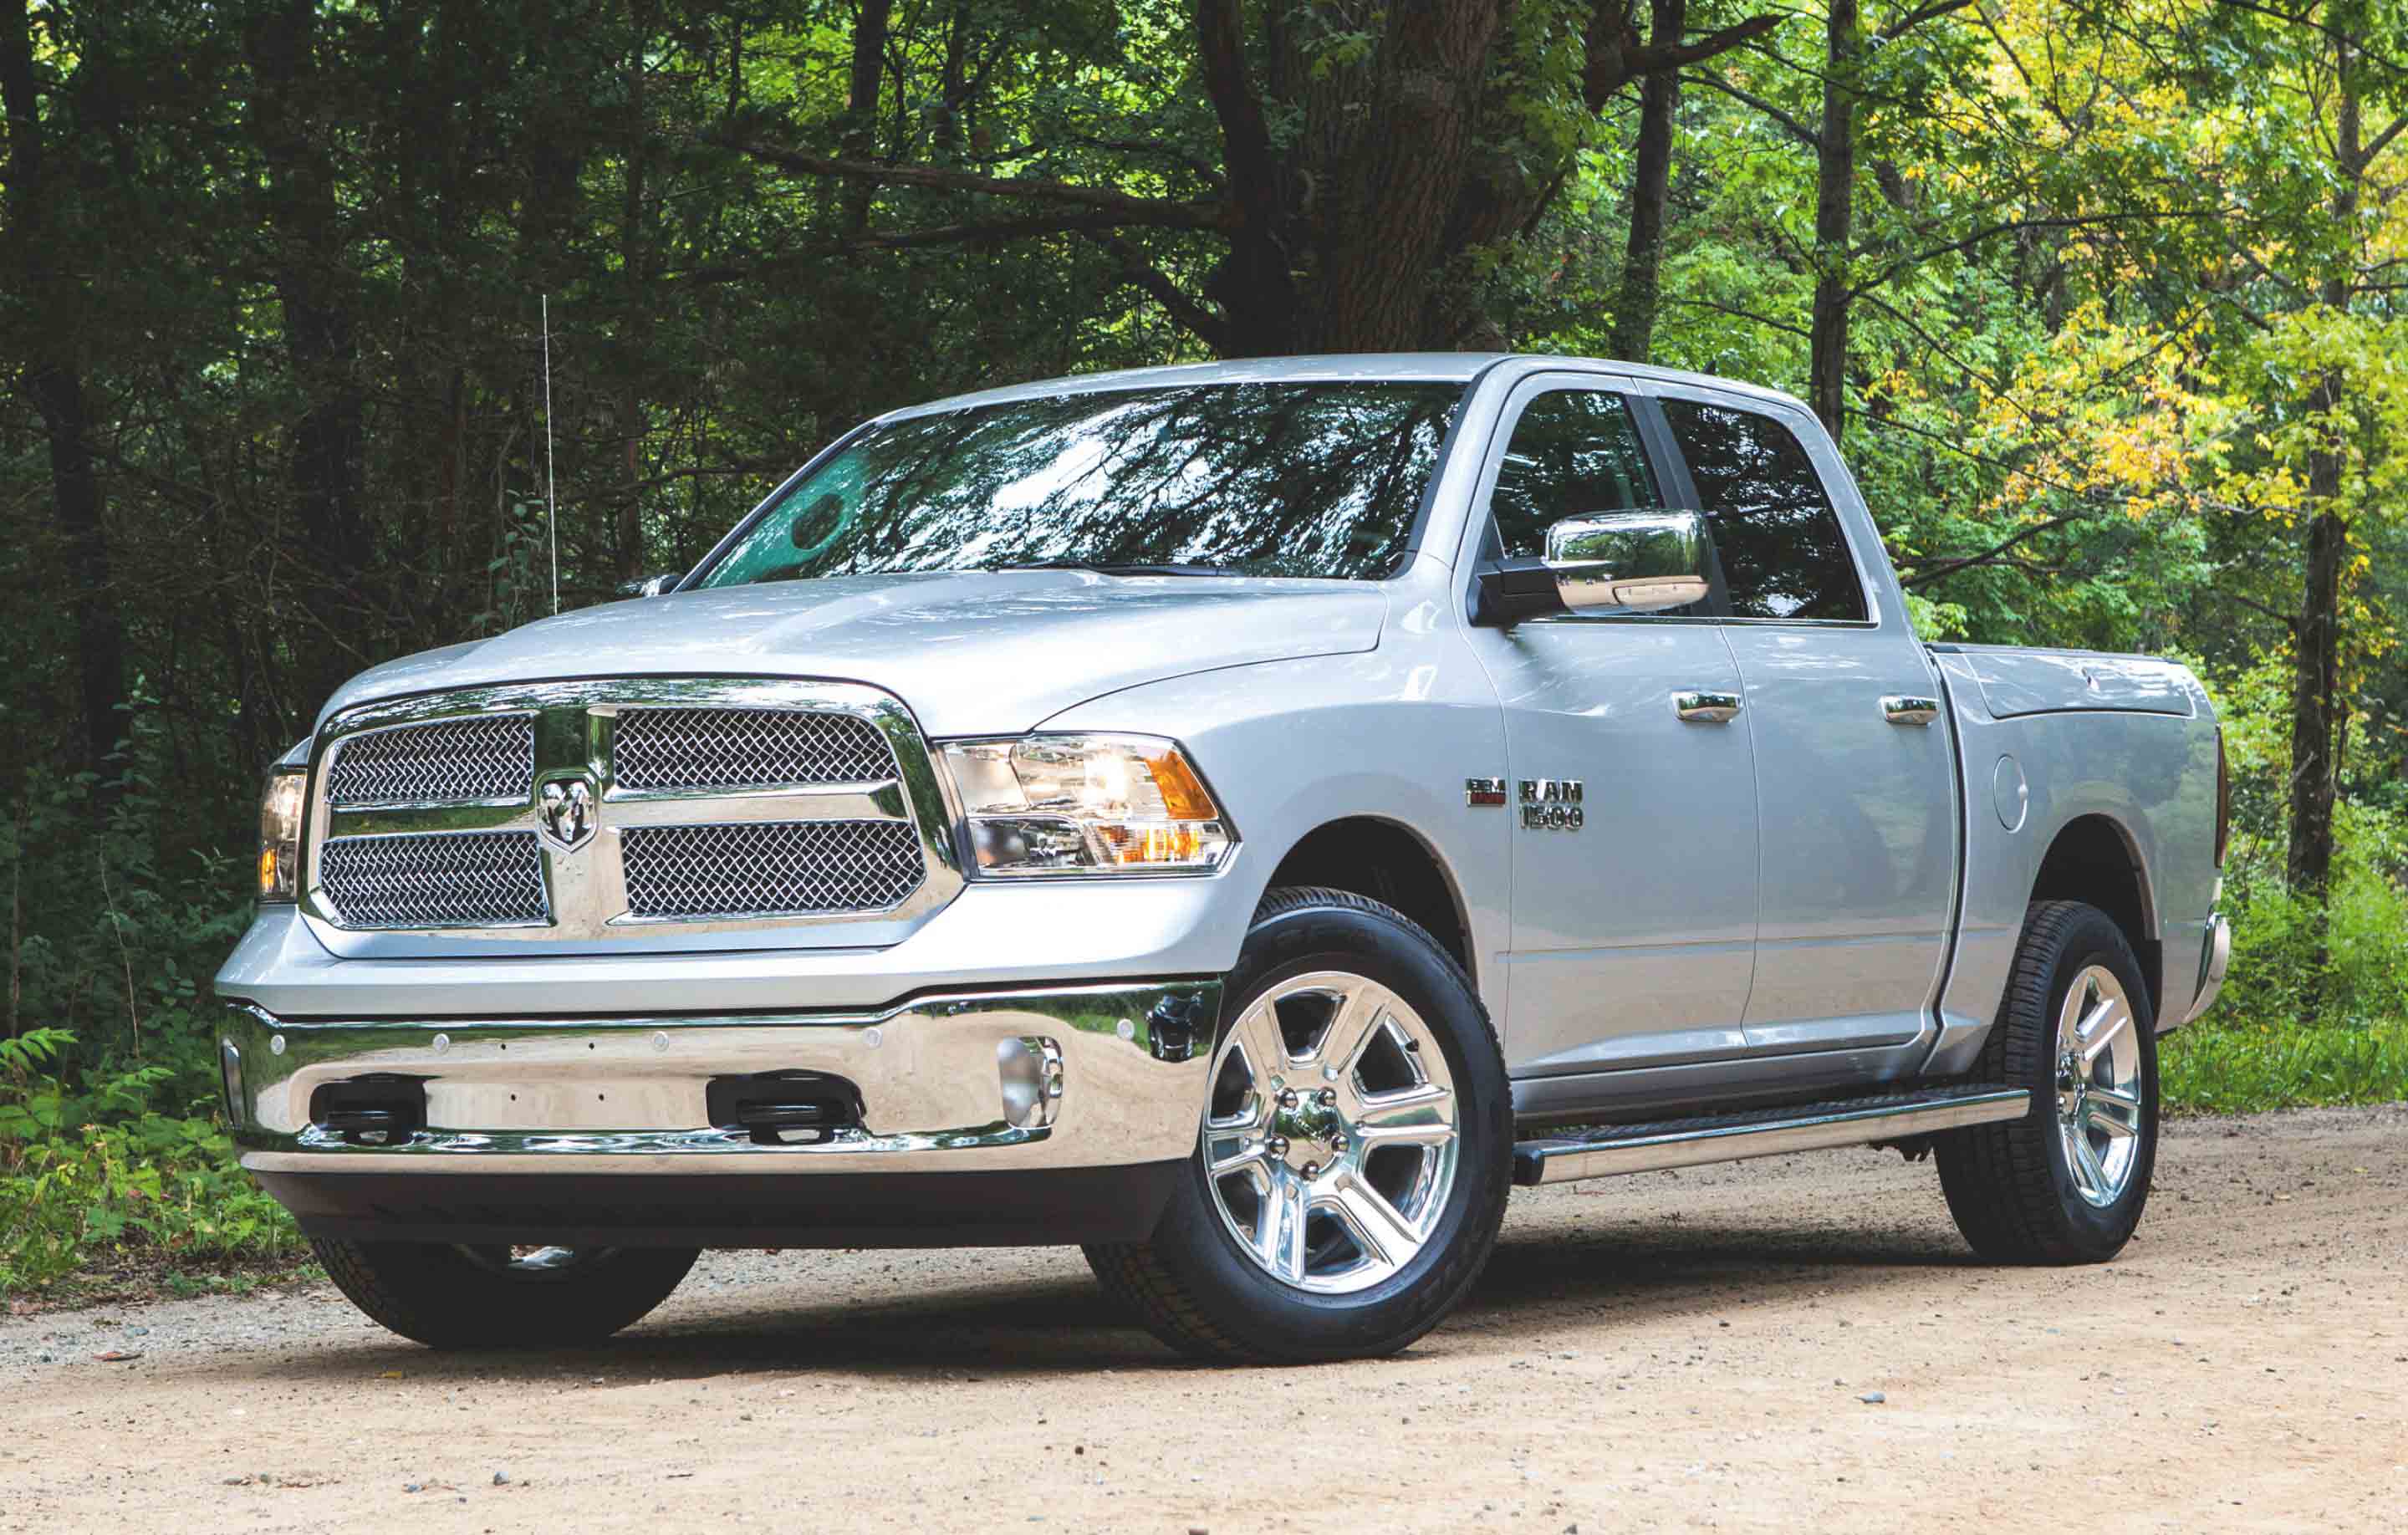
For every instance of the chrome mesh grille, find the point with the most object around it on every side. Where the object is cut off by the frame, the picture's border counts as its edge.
(687, 749)
(490, 756)
(482, 879)
(770, 868)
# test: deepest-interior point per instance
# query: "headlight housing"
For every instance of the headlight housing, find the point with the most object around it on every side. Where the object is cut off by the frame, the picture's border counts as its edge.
(1085, 805)
(280, 834)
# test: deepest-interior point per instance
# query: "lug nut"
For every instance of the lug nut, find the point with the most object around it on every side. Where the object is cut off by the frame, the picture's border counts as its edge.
(1276, 1145)
(1288, 1099)
(1329, 1096)
(1337, 1143)
(1313, 1169)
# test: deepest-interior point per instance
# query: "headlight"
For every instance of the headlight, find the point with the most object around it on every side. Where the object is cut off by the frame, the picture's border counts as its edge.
(280, 834)
(1087, 805)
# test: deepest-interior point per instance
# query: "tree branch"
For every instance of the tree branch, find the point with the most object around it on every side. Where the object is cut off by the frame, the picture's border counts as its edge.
(1765, 321)
(1932, 571)
(909, 239)
(1915, 17)
(2014, 226)
(2381, 141)
(1208, 327)
(1797, 130)
(1617, 56)
(1154, 212)
(2288, 621)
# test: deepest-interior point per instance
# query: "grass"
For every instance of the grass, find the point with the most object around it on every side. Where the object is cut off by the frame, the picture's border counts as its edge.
(2224, 1066)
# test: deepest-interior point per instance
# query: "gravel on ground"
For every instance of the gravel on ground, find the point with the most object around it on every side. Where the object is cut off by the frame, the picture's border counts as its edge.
(1795, 1343)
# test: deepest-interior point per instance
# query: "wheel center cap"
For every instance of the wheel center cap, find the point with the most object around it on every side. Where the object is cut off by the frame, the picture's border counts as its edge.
(1312, 1129)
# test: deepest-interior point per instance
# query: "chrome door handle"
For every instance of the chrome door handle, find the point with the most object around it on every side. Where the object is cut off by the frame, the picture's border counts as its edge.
(1701, 707)
(1902, 709)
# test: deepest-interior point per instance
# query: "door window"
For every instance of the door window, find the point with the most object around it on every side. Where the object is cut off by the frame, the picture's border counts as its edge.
(1574, 452)
(1782, 553)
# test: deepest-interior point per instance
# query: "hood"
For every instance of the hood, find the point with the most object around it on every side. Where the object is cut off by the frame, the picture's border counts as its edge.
(970, 652)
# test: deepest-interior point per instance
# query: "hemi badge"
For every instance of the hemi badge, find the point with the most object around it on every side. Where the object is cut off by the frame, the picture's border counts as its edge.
(1485, 793)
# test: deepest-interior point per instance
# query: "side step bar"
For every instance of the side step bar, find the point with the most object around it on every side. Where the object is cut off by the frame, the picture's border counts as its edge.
(1763, 1132)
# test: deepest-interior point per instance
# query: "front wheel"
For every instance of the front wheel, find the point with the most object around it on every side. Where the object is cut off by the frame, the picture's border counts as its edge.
(2065, 1183)
(1352, 1161)
(491, 1297)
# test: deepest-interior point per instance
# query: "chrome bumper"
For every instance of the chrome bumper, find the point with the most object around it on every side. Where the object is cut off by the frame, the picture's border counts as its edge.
(943, 1082)
(2213, 958)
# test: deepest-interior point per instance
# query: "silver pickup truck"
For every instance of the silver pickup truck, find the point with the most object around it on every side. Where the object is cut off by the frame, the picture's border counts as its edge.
(1241, 818)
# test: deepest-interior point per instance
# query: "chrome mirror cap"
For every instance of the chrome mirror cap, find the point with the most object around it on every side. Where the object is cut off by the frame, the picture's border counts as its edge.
(1641, 561)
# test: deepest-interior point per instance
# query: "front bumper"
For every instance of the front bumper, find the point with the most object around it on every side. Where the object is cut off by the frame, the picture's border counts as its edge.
(561, 1128)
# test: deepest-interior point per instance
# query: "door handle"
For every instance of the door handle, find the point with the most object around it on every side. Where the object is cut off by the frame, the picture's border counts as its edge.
(1905, 709)
(1701, 707)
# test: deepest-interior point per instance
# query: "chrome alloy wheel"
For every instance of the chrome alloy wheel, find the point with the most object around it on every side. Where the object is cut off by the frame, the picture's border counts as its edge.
(1330, 1140)
(2099, 1086)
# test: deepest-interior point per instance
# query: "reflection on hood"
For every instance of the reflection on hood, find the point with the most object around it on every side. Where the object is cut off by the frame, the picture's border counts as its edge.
(970, 652)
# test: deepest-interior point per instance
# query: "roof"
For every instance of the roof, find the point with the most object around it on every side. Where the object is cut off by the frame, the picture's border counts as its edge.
(1367, 367)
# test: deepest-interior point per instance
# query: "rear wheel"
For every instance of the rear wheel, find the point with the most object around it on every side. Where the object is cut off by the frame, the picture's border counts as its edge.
(1352, 1161)
(2066, 1182)
(493, 1297)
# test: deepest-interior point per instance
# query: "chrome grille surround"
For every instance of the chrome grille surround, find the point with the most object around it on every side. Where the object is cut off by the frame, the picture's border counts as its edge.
(461, 879)
(445, 762)
(697, 749)
(867, 858)
(770, 866)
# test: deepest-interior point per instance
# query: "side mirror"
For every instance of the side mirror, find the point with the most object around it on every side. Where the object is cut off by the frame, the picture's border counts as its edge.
(1641, 562)
(1645, 561)
(649, 587)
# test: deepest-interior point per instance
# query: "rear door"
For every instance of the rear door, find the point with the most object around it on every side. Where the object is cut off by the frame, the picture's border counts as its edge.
(1632, 829)
(1854, 786)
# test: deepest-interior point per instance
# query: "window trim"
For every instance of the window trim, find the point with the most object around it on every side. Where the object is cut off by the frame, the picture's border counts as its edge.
(1787, 415)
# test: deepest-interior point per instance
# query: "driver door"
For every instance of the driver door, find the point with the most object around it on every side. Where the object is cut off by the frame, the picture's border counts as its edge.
(1633, 937)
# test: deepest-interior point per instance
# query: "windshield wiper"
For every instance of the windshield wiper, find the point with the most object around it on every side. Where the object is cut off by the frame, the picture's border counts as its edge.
(1104, 568)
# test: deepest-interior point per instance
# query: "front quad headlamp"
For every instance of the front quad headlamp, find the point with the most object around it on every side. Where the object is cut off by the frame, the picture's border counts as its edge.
(1086, 805)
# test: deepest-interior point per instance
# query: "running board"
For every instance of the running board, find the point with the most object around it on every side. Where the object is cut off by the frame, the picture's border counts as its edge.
(1763, 1132)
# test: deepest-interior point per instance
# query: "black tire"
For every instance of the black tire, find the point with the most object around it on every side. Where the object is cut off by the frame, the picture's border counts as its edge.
(2010, 1187)
(448, 1297)
(1192, 1285)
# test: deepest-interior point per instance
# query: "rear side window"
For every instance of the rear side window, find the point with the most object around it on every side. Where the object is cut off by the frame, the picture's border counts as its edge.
(1574, 452)
(1782, 553)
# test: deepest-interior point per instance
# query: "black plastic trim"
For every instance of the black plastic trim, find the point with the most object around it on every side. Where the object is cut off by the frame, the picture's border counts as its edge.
(1047, 1207)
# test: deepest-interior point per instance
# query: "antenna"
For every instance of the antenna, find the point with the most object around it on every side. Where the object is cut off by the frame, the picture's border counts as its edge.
(550, 491)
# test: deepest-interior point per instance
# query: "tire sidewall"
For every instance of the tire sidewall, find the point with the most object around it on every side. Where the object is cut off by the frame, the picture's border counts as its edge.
(1248, 1303)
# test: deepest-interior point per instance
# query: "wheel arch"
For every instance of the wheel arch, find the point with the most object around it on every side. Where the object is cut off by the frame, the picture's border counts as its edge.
(2095, 859)
(1390, 861)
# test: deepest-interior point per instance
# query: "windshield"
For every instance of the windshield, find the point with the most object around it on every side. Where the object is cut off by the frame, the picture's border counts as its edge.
(1253, 479)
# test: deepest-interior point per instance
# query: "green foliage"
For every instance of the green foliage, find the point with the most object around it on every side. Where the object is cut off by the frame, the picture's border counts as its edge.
(2314, 1010)
(98, 1177)
(112, 1153)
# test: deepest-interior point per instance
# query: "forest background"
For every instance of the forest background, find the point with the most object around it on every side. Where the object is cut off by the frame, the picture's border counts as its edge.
(2102, 300)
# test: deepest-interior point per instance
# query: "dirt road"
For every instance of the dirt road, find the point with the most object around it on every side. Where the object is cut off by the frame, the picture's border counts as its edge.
(1676, 1351)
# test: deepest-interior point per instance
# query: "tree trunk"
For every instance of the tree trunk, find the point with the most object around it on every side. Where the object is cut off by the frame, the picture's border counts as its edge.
(53, 382)
(635, 261)
(860, 104)
(1834, 219)
(306, 270)
(2316, 684)
(1651, 183)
